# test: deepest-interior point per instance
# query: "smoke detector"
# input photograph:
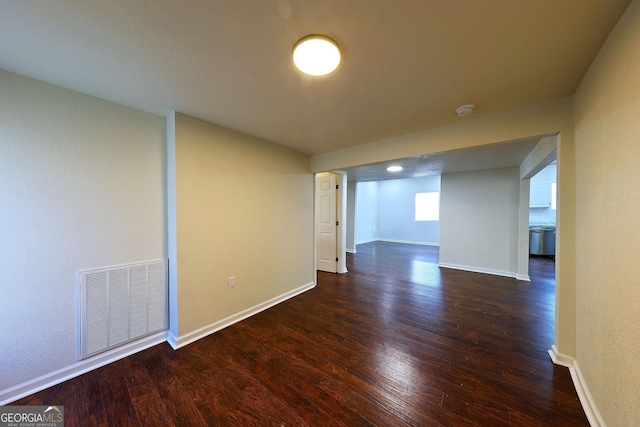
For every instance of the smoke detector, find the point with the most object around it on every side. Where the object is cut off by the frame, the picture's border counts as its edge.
(465, 110)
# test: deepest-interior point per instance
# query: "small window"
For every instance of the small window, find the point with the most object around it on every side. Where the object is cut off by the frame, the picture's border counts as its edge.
(428, 206)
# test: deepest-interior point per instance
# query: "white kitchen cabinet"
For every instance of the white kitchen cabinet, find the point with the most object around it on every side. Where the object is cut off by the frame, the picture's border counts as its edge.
(540, 195)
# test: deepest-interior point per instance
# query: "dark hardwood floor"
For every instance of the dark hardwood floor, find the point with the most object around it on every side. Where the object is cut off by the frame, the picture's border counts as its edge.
(396, 341)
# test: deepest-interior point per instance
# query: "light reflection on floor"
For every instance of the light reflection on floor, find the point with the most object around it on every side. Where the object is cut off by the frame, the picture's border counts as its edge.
(394, 362)
(425, 273)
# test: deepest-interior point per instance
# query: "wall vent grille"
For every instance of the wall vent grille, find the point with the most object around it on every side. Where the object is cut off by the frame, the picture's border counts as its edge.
(120, 304)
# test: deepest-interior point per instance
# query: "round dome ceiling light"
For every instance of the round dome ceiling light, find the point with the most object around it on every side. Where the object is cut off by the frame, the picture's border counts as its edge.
(465, 110)
(394, 168)
(316, 55)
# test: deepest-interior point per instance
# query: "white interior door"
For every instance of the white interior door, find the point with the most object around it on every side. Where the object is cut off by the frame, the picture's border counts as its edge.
(326, 223)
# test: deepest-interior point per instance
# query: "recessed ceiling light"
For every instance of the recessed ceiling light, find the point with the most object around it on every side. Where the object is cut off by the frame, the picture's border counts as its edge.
(316, 55)
(394, 168)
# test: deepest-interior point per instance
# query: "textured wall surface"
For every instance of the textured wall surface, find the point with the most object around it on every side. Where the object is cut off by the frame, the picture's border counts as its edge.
(608, 224)
(479, 219)
(82, 187)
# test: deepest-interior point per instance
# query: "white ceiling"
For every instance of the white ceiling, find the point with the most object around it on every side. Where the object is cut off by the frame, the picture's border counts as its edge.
(407, 64)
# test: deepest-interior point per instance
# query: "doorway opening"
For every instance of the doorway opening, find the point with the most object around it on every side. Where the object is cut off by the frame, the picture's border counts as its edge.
(404, 210)
(542, 222)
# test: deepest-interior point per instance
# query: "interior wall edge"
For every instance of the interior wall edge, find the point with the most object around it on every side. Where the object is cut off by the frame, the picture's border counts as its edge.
(171, 215)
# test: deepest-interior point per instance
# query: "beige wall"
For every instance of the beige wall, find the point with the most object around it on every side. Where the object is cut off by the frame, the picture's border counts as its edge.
(244, 208)
(607, 121)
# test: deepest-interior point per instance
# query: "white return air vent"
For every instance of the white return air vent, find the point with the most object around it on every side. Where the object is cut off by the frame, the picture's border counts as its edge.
(121, 304)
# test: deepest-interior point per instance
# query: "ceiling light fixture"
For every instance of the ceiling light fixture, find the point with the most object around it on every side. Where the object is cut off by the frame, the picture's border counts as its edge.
(394, 168)
(465, 110)
(316, 55)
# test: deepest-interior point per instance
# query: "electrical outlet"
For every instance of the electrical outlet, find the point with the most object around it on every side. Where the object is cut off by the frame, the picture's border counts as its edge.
(232, 282)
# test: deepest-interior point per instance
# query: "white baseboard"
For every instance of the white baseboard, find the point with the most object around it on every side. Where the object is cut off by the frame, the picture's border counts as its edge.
(588, 405)
(37, 384)
(181, 341)
(409, 242)
(351, 251)
(362, 242)
(523, 277)
(559, 358)
(478, 270)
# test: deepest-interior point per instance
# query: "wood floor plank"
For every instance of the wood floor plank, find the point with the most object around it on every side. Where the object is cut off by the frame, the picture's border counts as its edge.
(150, 406)
(179, 406)
(90, 408)
(119, 407)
